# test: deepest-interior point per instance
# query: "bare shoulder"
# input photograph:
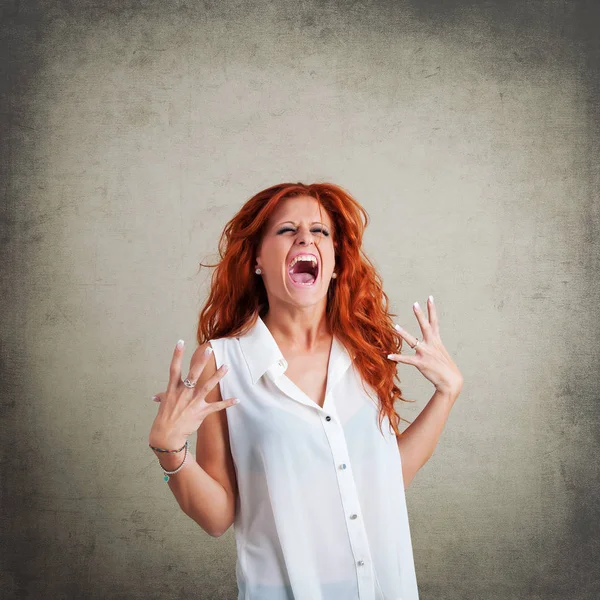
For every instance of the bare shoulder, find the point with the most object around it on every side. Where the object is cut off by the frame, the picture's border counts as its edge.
(213, 452)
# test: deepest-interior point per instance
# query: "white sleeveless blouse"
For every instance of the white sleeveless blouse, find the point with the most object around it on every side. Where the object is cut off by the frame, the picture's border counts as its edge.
(321, 512)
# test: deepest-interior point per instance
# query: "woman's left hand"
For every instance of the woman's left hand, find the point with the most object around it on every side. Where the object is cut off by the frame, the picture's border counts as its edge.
(431, 358)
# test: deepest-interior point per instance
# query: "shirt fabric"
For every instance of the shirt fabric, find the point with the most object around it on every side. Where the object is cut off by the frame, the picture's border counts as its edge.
(321, 512)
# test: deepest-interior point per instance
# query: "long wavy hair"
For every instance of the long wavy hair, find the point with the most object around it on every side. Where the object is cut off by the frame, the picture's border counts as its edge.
(357, 307)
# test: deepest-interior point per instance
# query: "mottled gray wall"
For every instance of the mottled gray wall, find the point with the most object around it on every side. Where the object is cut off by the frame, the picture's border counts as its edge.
(132, 131)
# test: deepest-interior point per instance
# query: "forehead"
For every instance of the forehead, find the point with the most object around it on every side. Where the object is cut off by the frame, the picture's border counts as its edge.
(300, 208)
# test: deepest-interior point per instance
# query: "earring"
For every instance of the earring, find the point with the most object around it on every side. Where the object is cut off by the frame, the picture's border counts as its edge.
(333, 275)
(258, 271)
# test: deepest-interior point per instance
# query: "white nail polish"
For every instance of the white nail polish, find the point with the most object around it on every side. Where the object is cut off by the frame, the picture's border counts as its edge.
(416, 305)
(180, 344)
(397, 327)
(390, 355)
(431, 299)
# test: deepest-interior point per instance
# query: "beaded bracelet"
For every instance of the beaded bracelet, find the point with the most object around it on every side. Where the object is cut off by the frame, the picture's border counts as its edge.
(167, 473)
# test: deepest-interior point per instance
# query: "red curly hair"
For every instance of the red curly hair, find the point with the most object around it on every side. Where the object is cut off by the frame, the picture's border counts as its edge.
(357, 306)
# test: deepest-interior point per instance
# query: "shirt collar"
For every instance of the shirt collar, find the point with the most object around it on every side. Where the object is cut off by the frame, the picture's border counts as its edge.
(262, 354)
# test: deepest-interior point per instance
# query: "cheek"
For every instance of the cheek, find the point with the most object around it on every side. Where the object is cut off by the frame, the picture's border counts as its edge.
(329, 255)
(274, 252)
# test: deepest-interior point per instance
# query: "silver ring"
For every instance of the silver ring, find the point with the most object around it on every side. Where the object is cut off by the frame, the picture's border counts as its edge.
(189, 383)
(413, 347)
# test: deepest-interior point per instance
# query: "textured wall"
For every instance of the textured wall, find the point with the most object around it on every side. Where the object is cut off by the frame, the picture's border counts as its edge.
(132, 131)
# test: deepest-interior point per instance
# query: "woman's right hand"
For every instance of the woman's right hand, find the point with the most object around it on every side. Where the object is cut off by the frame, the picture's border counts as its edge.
(182, 409)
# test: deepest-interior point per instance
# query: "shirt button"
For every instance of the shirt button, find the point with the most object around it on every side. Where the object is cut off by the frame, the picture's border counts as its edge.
(343, 466)
(281, 363)
(360, 563)
(328, 418)
(353, 516)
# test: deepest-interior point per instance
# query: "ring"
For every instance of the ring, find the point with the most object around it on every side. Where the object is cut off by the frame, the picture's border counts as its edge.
(413, 347)
(188, 383)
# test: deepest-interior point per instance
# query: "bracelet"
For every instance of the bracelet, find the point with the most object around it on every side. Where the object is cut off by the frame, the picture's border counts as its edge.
(168, 451)
(167, 473)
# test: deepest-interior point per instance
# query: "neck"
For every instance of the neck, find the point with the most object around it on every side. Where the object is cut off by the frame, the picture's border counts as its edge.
(302, 329)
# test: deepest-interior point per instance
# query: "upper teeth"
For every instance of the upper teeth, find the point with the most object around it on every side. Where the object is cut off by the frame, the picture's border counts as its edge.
(302, 257)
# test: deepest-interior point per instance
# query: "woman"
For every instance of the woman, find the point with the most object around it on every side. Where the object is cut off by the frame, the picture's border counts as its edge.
(302, 466)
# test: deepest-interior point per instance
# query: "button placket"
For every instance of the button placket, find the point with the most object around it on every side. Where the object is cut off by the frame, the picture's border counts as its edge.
(356, 531)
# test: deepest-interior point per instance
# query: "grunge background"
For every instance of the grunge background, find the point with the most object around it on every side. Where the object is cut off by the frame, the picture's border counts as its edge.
(131, 131)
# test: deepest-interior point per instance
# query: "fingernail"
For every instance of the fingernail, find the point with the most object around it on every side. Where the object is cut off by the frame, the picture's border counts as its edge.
(235, 401)
(156, 398)
(208, 351)
(397, 327)
(416, 305)
(390, 356)
(431, 299)
(180, 344)
(224, 367)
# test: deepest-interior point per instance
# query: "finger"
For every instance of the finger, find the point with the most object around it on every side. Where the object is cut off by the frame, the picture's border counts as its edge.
(215, 406)
(199, 361)
(422, 319)
(210, 383)
(175, 368)
(433, 318)
(407, 360)
(410, 340)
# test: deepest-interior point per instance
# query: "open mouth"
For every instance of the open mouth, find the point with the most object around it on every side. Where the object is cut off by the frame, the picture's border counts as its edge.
(303, 270)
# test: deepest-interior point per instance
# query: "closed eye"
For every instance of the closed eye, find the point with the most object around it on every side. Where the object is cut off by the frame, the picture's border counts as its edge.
(316, 229)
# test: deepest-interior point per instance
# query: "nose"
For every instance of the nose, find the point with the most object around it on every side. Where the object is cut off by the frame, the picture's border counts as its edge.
(304, 237)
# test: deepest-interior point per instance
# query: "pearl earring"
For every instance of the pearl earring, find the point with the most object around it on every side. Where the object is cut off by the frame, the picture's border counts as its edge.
(333, 275)
(258, 271)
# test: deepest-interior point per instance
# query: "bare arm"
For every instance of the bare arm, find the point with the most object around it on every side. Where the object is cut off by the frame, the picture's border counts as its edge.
(214, 457)
(418, 441)
(201, 491)
(200, 496)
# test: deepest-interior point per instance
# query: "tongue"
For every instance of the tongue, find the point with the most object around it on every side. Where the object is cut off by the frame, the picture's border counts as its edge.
(302, 277)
